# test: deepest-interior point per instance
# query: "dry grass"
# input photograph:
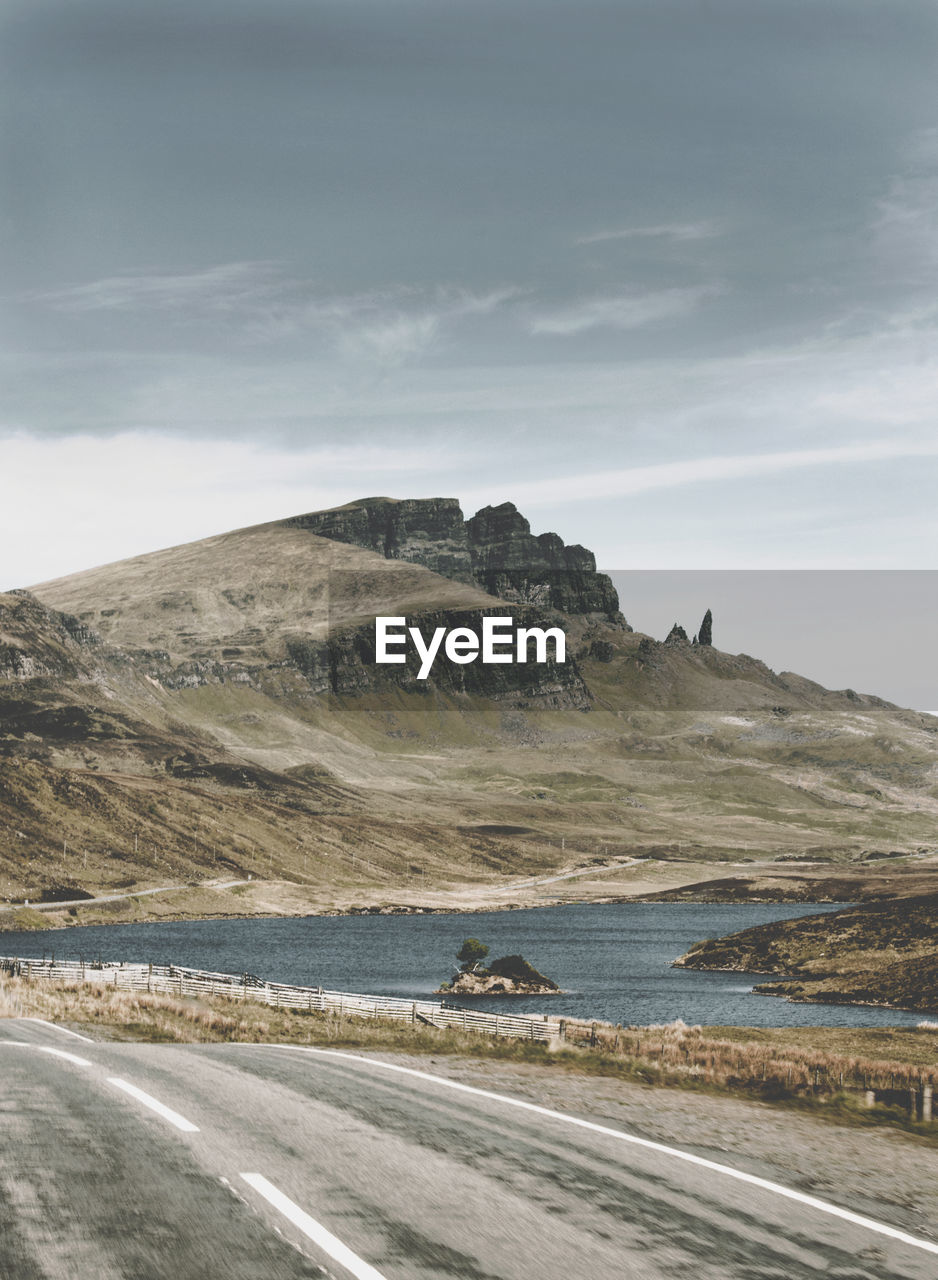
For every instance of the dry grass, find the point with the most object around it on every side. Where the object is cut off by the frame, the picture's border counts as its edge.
(113, 1014)
(768, 1065)
(914, 1046)
(759, 1062)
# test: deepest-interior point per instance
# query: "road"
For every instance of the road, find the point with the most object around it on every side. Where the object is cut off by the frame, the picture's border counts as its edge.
(256, 1162)
(573, 875)
(118, 897)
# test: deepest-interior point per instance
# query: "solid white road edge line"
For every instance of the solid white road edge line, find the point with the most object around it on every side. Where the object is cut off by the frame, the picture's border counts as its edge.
(727, 1170)
(329, 1243)
(65, 1031)
(166, 1112)
(47, 1048)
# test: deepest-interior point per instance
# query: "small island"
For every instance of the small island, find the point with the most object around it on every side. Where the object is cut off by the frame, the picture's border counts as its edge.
(507, 976)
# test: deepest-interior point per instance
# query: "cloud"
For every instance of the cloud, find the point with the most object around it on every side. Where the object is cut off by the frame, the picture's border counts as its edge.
(905, 227)
(265, 305)
(389, 335)
(228, 287)
(660, 231)
(595, 486)
(136, 492)
(627, 311)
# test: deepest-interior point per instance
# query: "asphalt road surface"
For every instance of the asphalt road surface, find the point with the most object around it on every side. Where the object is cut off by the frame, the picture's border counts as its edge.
(244, 1162)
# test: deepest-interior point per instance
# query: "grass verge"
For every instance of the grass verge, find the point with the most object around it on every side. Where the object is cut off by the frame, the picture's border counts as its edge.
(779, 1066)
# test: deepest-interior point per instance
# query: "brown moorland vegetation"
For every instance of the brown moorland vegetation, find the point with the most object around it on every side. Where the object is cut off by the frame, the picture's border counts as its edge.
(790, 1066)
(878, 953)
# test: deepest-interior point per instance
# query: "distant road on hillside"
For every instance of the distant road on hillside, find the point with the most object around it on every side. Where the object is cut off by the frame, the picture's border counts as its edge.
(116, 897)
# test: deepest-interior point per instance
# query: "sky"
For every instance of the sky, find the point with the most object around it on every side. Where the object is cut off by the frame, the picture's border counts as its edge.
(662, 272)
(873, 631)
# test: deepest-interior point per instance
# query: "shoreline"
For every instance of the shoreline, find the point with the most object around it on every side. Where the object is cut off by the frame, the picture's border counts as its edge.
(71, 908)
(8, 925)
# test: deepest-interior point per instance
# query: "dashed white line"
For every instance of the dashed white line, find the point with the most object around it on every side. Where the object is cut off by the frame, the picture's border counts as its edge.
(48, 1048)
(65, 1030)
(329, 1243)
(62, 1053)
(154, 1104)
(728, 1171)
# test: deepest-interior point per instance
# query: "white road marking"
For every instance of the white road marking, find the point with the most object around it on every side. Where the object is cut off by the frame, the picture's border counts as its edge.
(727, 1170)
(65, 1031)
(61, 1053)
(148, 1101)
(47, 1048)
(329, 1243)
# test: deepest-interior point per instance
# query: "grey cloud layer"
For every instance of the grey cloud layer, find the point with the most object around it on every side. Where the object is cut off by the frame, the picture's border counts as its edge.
(588, 239)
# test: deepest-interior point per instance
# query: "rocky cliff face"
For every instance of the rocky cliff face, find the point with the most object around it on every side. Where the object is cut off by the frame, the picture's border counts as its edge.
(494, 550)
(427, 531)
(39, 642)
(344, 665)
(510, 562)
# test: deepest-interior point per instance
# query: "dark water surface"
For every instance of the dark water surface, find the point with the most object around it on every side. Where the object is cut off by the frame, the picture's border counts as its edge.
(613, 961)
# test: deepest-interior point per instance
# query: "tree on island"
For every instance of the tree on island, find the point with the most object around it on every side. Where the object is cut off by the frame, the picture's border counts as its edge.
(509, 975)
(471, 954)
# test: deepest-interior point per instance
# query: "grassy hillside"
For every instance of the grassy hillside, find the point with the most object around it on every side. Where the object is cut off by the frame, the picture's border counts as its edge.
(877, 953)
(214, 710)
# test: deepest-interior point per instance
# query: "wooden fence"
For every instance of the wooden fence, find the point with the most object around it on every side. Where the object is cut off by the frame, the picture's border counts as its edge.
(177, 981)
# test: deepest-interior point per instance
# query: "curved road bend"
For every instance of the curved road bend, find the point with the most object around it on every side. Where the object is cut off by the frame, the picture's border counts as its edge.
(123, 1161)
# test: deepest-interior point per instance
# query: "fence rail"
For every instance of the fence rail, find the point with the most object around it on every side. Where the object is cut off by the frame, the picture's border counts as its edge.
(178, 981)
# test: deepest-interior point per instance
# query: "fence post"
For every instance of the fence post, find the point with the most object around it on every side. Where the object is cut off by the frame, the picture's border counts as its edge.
(869, 1098)
(926, 1103)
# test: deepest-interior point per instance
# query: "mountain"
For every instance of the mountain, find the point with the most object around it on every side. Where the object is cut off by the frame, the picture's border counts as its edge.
(495, 550)
(215, 709)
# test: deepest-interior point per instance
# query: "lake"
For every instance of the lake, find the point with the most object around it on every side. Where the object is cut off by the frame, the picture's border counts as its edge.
(613, 961)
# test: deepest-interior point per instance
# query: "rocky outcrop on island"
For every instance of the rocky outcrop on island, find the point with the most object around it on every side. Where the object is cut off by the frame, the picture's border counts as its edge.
(507, 976)
(494, 550)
